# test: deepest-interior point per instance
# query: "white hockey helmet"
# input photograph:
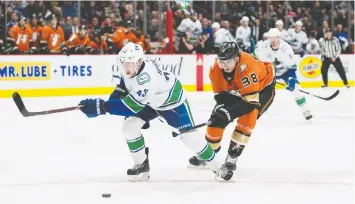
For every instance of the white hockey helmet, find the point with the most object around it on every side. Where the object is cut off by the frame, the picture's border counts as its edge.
(215, 26)
(273, 32)
(299, 23)
(245, 18)
(279, 22)
(130, 59)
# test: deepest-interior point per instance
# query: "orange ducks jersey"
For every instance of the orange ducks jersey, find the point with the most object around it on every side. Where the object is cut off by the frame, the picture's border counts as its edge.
(250, 78)
(36, 35)
(122, 36)
(75, 41)
(21, 36)
(54, 37)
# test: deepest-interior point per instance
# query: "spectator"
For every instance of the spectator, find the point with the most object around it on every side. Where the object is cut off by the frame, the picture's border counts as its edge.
(153, 29)
(106, 34)
(19, 9)
(67, 27)
(343, 38)
(91, 9)
(113, 11)
(220, 35)
(122, 8)
(317, 13)
(204, 46)
(298, 39)
(13, 21)
(190, 25)
(242, 35)
(179, 16)
(313, 47)
(341, 19)
(257, 31)
(207, 29)
(184, 44)
(69, 9)
(322, 31)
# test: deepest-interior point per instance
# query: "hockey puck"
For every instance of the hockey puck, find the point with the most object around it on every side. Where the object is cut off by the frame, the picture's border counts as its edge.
(106, 195)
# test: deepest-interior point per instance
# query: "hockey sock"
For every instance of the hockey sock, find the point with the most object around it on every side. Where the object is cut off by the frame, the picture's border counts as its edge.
(135, 140)
(137, 146)
(300, 100)
(237, 144)
(199, 145)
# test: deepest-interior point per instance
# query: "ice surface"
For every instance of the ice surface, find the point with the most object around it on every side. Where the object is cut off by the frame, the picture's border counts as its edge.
(68, 158)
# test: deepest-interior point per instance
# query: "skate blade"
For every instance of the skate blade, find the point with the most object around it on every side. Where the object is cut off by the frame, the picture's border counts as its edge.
(198, 167)
(220, 179)
(140, 177)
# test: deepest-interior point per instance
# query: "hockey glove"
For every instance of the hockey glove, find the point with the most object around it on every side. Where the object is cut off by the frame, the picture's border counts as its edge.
(292, 80)
(93, 107)
(220, 118)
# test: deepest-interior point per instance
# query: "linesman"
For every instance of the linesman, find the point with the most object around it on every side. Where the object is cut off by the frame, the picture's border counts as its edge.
(330, 51)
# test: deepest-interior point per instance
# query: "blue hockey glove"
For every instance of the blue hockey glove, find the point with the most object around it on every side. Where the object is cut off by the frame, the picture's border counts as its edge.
(93, 107)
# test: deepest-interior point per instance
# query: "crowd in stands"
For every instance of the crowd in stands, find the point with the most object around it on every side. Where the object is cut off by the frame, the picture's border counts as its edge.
(100, 27)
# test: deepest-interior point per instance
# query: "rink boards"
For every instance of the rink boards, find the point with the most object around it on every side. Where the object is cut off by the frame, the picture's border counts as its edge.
(59, 75)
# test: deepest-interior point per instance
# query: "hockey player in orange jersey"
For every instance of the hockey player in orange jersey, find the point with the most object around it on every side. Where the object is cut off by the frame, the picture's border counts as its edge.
(52, 40)
(123, 35)
(79, 43)
(244, 88)
(36, 32)
(20, 37)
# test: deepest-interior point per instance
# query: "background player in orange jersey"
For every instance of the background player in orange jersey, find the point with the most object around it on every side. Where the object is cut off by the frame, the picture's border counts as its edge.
(79, 43)
(20, 37)
(52, 40)
(244, 88)
(36, 33)
(123, 35)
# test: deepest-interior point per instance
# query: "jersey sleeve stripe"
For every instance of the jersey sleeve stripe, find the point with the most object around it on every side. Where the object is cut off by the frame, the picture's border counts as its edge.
(132, 104)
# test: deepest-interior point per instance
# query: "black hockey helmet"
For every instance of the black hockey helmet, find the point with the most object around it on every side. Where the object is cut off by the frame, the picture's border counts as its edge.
(228, 50)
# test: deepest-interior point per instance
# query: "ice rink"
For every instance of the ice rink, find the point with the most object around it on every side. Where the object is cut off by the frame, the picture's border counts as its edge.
(67, 158)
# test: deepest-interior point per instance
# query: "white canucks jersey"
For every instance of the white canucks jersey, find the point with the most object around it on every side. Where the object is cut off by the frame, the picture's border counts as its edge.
(151, 86)
(193, 27)
(222, 35)
(282, 58)
(297, 39)
(242, 35)
(284, 35)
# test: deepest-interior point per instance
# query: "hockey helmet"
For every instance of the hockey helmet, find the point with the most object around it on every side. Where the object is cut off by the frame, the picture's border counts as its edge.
(273, 32)
(130, 59)
(228, 56)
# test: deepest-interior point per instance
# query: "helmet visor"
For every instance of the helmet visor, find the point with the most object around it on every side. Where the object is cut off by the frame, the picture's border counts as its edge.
(227, 65)
(127, 67)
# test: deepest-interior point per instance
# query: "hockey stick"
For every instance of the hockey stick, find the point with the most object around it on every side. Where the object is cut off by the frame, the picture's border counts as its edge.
(323, 98)
(21, 107)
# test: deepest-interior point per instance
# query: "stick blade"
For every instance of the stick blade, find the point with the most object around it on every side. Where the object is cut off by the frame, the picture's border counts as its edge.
(334, 95)
(19, 103)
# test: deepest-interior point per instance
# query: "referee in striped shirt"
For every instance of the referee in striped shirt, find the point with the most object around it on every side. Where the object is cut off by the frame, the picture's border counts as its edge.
(330, 51)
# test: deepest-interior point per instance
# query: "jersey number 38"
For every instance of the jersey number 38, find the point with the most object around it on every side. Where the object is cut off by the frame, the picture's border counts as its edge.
(247, 80)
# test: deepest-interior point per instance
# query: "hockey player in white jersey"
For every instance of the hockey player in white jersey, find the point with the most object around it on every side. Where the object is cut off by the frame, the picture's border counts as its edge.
(280, 53)
(190, 25)
(242, 35)
(297, 38)
(220, 35)
(144, 92)
(261, 41)
(284, 34)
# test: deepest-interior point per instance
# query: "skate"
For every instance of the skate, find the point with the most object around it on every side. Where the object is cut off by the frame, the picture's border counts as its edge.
(347, 86)
(140, 172)
(307, 115)
(231, 163)
(223, 174)
(197, 162)
(324, 86)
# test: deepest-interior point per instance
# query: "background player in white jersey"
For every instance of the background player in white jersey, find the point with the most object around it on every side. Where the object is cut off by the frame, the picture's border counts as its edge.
(297, 38)
(190, 24)
(261, 41)
(284, 34)
(150, 93)
(242, 35)
(220, 35)
(281, 55)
